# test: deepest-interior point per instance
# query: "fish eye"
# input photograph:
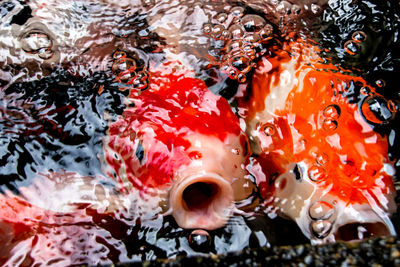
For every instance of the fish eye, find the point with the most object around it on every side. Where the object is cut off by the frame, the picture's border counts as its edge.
(140, 153)
(297, 172)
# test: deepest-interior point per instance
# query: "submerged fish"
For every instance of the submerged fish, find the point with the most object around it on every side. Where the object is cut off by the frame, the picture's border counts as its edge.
(320, 162)
(180, 140)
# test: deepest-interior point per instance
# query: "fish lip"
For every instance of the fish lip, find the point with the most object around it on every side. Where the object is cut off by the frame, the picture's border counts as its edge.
(213, 214)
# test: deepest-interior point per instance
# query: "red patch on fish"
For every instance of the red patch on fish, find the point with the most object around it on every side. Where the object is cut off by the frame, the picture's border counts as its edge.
(309, 118)
(149, 142)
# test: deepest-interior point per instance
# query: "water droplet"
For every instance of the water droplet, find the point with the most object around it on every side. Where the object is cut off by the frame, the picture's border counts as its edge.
(140, 80)
(37, 43)
(269, 130)
(315, 8)
(284, 8)
(321, 228)
(236, 31)
(380, 83)
(359, 36)
(365, 90)
(329, 125)
(119, 54)
(233, 73)
(237, 11)
(236, 151)
(317, 173)
(252, 38)
(241, 77)
(124, 68)
(226, 35)
(253, 23)
(207, 28)
(321, 210)
(241, 63)
(200, 240)
(221, 17)
(217, 30)
(332, 112)
(322, 158)
(295, 10)
(266, 31)
(352, 47)
(378, 110)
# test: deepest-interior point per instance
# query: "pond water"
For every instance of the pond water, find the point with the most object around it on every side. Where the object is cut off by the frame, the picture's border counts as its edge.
(70, 70)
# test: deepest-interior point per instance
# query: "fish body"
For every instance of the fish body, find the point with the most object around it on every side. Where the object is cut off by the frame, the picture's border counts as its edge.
(322, 164)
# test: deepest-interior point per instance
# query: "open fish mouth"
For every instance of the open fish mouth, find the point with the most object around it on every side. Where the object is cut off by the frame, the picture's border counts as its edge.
(359, 231)
(202, 201)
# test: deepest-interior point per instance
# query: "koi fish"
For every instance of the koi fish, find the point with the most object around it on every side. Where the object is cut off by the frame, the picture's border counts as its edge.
(179, 140)
(320, 163)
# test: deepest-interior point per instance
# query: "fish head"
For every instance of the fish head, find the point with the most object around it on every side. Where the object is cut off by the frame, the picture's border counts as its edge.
(181, 141)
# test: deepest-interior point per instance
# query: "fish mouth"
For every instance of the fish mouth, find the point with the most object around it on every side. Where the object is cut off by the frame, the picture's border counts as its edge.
(361, 231)
(203, 201)
(355, 223)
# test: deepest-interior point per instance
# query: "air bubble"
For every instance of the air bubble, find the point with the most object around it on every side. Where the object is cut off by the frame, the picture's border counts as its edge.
(322, 158)
(233, 73)
(253, 23)
(321, 210)
(237, 11)
(332, 112)
(252, 38)
(241, 63)
(37, 43)
(200, 240)
(315, 8)
(295, 10)
(226, 35)
(378, 110)
(359, 36)
(266, 31)
(351, 47)
(329, 125)
(235, 46)
(365, 90)
(124, 68)
(140, 80)
(221, 17)
(241, 77)
(284, 8)
(321, 228)
(317, 173)
(380, 83)
(269, 130)
(236, 31)
(217, 31)
(119, 54)
(207, 28)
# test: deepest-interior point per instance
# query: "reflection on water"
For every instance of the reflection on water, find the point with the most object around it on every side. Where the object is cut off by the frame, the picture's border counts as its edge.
(69, 69)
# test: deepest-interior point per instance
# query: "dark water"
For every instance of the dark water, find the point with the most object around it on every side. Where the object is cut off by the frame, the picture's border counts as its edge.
(59, 93)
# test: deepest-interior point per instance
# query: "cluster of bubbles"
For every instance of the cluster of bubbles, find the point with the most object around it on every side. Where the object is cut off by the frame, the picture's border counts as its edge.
(37, 43)
(322, 216)
(242, 38)
(129, 70)
(353, 46)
